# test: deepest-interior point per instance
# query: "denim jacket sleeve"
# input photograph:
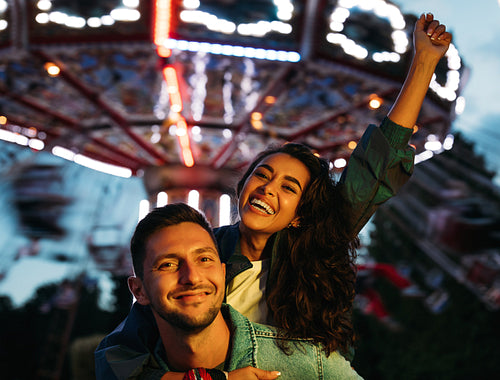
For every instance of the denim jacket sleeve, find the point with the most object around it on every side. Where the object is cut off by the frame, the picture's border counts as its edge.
(379, 166)
(256, 345)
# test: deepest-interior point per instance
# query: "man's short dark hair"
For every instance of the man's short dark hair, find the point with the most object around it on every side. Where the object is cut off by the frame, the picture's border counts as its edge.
(158, 218)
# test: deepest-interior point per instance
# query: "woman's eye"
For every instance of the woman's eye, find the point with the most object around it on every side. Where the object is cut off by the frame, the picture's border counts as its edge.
(261, 175)
(290, 188)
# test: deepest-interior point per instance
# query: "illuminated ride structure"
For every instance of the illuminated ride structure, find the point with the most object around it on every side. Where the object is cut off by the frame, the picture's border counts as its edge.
(185, 93)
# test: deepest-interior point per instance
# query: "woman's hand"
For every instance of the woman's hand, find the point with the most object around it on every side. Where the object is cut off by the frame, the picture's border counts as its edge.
(431, 41)
(247, 373)
(173, 376)
(252, 373)
(431, 37)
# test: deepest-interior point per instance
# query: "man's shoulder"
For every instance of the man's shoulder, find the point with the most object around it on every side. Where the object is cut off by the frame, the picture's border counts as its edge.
(137, 331)
(264, 330)
(266, 348)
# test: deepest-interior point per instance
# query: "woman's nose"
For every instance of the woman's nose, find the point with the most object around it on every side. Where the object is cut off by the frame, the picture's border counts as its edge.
(269, 188)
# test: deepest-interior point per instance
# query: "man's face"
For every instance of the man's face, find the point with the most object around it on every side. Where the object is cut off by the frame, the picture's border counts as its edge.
(184, 280)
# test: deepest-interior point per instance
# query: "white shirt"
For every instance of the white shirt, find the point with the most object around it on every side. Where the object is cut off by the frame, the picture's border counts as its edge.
(245, 292)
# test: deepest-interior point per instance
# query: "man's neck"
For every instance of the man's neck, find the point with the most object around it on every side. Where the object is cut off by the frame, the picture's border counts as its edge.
(206, 349)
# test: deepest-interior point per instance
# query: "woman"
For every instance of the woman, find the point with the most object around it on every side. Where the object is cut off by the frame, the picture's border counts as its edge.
(301, 228)
(287, 229)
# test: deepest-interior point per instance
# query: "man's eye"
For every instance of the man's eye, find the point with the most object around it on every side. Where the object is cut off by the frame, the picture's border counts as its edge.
(166, 265)
(206, 259)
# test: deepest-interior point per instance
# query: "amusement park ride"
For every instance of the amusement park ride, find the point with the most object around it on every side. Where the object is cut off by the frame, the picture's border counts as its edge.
(185, 93)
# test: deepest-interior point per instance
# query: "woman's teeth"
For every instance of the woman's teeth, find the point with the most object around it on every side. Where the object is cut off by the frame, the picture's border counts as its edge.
(262, 206)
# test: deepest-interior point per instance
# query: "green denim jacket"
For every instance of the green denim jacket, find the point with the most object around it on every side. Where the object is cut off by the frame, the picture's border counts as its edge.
(379, 166)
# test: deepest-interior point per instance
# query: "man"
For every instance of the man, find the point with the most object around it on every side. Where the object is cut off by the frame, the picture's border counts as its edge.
(179, 275)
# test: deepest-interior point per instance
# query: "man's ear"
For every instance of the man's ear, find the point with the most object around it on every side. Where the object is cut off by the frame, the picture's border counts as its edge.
(136, 287)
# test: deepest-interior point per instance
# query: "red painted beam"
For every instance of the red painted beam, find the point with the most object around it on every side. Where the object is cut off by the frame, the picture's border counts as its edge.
(93, 96)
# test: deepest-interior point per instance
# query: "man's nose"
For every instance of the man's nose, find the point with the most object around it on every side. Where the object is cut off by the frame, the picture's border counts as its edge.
(189, 273)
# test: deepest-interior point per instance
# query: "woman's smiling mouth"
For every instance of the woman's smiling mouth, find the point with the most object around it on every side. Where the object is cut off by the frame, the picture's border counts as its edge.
(262, 206)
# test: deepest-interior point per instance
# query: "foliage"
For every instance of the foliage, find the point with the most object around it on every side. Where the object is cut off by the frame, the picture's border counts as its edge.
(461, 342)
(31, 335)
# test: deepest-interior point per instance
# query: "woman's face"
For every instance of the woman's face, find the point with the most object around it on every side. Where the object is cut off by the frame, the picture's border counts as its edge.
(271, 194)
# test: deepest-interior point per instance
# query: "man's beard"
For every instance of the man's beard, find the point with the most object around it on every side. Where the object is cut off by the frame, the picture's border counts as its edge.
(187, 323)
(184, 321)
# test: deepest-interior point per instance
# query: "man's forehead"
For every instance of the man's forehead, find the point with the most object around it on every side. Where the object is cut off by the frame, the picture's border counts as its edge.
(186, 236)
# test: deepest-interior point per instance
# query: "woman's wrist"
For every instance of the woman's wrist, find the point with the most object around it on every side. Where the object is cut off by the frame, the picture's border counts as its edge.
(425, 62)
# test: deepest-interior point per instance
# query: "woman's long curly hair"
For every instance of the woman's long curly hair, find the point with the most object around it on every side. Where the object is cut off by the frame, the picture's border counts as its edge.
(310, 290)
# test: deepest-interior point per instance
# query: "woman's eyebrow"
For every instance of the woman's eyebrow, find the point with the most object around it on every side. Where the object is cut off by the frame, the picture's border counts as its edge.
(294, 180)
(266, 166)
(287, 177)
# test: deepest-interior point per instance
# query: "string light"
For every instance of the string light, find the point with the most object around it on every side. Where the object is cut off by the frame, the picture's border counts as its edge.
(340, 163)
(194, 199)
(183, 138)
(128, 13)
(231, 50)
(224, 210)
(161, 28)
(181, 130)
(383, 9)
(380, 8)
(284, 12)
(143, 209)
(90, 163)
(52, 69)
(161, 199)
(352, 144)
(375, 101)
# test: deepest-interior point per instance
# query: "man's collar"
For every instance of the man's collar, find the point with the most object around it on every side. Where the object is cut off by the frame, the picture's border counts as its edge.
(242, 351)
